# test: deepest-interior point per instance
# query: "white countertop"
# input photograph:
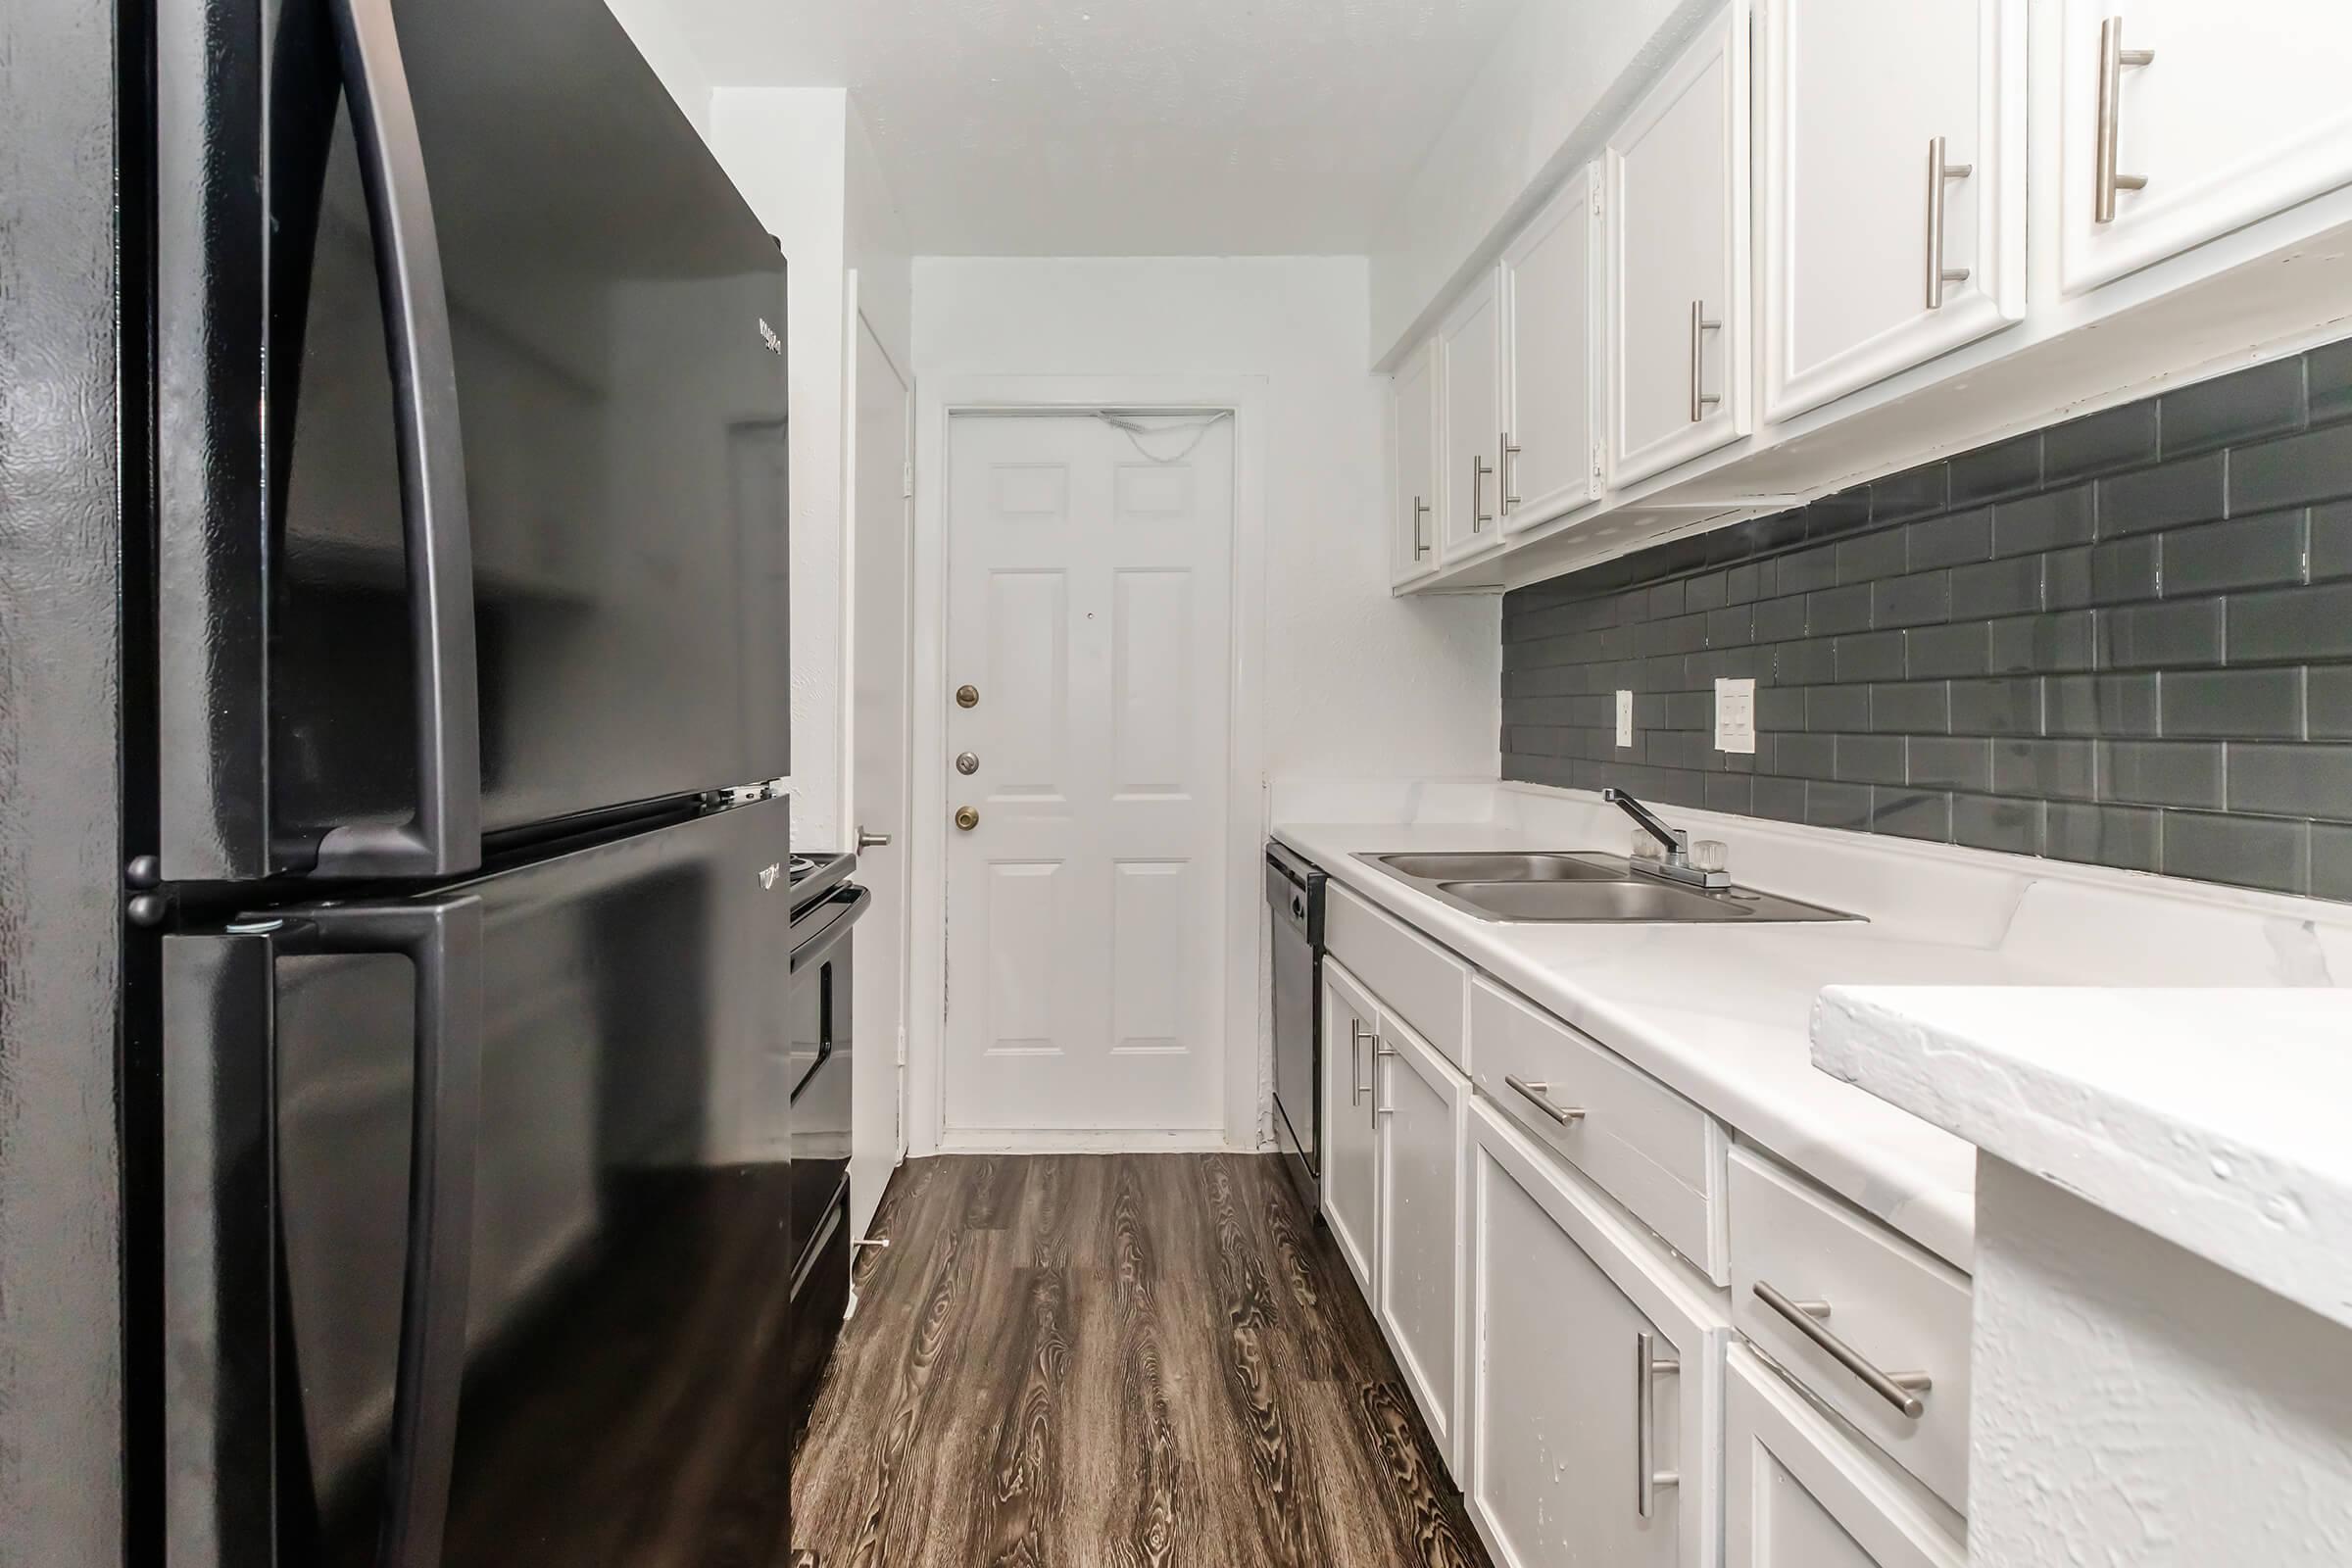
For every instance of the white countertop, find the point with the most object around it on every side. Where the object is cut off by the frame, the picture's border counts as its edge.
(2215, 1118)
(1724, 1014)
(1719, 1013)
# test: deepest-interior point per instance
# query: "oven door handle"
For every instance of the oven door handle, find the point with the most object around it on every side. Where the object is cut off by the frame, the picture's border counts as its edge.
(827, 924)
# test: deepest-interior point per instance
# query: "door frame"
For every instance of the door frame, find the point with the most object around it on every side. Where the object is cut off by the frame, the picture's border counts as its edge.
(939, 399)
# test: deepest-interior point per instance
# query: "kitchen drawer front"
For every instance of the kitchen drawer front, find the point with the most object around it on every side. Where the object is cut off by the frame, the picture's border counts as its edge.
(1646, 1146)
(1413, 977)
(1892, 1305)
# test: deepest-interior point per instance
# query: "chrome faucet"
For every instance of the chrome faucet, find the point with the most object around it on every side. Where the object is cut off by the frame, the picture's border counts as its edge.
(1674, 841)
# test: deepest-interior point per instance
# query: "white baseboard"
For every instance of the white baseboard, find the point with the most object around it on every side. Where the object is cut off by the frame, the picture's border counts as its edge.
(1084, 1141)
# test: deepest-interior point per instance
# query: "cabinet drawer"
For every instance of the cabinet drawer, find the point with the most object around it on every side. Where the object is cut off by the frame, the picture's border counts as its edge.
(1416, 979)
(1644, 1145)
(1894, 1308)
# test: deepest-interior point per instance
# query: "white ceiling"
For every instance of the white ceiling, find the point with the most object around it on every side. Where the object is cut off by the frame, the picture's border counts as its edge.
(1137, 128)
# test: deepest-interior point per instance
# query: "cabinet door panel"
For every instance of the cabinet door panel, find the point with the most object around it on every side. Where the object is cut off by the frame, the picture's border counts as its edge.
(1550, 297)
(1412, 494)
(1561, 1294)
(1854, 91)
(1801, 1495)
(1677, 218)
(2243, 113)
(1420, 1101)
(1351, 1183)
(1470, 346)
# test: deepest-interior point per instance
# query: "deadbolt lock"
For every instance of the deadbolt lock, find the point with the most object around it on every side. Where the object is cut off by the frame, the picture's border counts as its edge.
(967, 763)
(967, 697)
(966, 818)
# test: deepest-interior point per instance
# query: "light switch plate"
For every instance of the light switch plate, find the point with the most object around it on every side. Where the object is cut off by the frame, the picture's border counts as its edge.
(1736, 716)
(1625, 718)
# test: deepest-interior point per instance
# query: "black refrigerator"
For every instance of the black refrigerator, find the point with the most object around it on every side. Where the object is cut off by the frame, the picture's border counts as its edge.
(459, 882)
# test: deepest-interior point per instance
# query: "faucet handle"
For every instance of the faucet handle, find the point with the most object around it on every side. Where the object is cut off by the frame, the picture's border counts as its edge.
(1710, 855)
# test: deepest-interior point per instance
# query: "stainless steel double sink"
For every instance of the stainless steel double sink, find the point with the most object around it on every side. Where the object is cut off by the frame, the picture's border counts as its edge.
(1577, 885)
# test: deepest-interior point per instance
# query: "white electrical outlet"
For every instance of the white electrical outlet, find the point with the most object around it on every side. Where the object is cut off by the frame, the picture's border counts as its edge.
(1625, 718)
(1736, 716)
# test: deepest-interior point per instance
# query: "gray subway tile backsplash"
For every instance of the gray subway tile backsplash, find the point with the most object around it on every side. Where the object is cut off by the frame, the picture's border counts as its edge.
(2125, 640)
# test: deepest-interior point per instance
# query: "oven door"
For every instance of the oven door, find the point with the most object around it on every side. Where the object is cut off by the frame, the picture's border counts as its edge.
(818, 1062)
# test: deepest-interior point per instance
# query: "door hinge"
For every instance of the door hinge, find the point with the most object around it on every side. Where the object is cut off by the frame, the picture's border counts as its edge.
(1597, 467)
(906, 482)
(1596, 198)
(902, 1045)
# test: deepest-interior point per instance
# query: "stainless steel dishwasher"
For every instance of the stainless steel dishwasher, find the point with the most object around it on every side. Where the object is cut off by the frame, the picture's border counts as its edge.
(1295, 902)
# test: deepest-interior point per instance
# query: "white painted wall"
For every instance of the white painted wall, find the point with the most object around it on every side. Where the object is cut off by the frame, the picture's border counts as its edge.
(652, 26)
(1559, 78)
(1356, 683)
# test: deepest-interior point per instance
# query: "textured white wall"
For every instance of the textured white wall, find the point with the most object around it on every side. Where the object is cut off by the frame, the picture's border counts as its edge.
(2136, 1407)
(1358, 683)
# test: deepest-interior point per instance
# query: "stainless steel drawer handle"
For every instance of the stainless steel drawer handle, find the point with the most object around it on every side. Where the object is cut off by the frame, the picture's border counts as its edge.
(1902, 1390)
(1380, 1049)
(1939, 176)
(1535, 1091)
(1701, 323)
(1480, 516)
(1503, 469)
(2113, 58)
(1420, 537)
(1648, 1367)
(1356, 1061)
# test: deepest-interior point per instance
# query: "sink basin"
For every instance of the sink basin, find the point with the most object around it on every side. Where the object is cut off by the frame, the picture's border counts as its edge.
(1496, 868)
(1635, 899)
(1568, 886)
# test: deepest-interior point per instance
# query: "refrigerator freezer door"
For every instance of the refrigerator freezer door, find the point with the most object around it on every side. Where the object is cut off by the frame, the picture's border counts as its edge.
(613, 316)
(618, 1391)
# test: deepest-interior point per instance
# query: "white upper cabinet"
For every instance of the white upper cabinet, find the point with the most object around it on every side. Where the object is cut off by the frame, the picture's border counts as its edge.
(2182, 120)
(1412, 482)
(1676, 212)
(1893, 184)
(1551, 461)
(1470, 430)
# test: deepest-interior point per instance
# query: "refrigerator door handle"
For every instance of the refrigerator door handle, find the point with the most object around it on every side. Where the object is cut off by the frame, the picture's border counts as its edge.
(443, 940)
(445, 835)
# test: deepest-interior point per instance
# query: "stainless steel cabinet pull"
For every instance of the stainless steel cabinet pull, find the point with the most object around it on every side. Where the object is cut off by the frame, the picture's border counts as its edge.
(1502, 465)
(1902, 1390)
(1420, 538)
(1380, 1049)
(1356, 1061)
(1700, 323)
(2113, 58)
(1940, 174)
(1648, 1367)
(1478, 514)
(1535, 1091)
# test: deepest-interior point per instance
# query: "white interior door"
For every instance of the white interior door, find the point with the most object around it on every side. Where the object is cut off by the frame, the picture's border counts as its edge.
(880, 740)
(1089, 610)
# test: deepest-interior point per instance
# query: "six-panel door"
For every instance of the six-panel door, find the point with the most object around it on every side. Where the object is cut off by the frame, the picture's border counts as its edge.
(1470, 433)
(1551, 298)
(1420, 1103)
(1596, 1371)
(1799, 1493)
(1350, 1174)
(1412, 484)
(1676, 214)
(1892, 185)
(2240, 112)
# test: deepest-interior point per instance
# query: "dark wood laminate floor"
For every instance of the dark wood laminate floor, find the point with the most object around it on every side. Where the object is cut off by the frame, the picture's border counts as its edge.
(1132, 1361)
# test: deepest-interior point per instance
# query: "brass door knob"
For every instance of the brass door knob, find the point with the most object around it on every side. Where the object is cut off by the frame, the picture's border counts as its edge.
(966, 818)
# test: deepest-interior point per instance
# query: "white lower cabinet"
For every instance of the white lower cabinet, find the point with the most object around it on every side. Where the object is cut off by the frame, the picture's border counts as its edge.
(1350, 1174)
(1419, 1104)
(1799, 1494)
(1595, 1374)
